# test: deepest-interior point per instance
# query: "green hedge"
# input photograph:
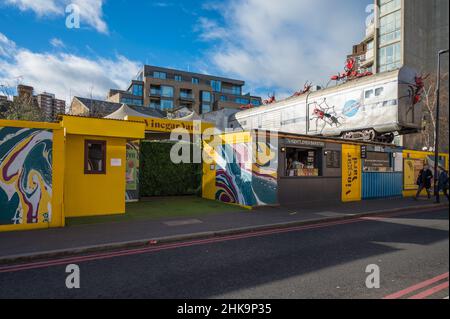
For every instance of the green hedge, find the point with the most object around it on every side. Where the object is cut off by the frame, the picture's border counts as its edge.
(160, 177)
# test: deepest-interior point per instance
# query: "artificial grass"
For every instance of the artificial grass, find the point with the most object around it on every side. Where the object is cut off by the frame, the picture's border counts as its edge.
(160, 208)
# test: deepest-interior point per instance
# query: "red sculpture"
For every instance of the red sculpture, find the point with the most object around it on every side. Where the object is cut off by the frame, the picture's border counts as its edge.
(306, 88)
(270, 100)
(350, 72)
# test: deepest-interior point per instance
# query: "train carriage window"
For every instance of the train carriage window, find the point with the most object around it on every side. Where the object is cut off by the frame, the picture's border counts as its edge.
(368, 94)
(379, 91)
(302, 162)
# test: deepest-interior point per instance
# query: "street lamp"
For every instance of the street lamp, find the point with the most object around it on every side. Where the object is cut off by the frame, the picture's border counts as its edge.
(436, 134)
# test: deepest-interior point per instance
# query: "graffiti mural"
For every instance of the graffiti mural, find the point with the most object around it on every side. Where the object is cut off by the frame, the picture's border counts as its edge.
(132, 172)
(26, 175)
(244, 179)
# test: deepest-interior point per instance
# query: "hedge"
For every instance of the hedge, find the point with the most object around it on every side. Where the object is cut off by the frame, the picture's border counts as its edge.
(160, 177)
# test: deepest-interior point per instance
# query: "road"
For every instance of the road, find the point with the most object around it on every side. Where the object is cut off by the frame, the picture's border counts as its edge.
(322, 261)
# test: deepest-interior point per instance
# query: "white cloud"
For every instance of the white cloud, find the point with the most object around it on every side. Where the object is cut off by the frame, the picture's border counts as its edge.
(91, 12)
(57, 43)
(63, 74)
(282, 44)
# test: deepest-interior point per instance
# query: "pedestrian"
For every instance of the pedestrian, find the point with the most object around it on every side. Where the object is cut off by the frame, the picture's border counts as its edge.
(443, 181)
(424, 181)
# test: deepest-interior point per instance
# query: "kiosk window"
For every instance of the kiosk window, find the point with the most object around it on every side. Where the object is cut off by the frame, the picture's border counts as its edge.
(95, 157)
(303, 162)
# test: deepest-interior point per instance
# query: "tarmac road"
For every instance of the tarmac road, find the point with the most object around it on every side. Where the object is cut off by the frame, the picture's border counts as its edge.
(321, 261)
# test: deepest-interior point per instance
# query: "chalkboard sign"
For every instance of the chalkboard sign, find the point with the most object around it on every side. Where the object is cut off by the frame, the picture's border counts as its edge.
(333, 159)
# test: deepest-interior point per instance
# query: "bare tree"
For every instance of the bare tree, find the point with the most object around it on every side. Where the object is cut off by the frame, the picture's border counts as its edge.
(429, 114)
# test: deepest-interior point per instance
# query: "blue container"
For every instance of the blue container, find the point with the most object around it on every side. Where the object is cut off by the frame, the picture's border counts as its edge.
(381, 185)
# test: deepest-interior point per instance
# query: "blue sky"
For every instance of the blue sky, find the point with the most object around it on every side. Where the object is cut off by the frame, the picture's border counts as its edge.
(272, 45)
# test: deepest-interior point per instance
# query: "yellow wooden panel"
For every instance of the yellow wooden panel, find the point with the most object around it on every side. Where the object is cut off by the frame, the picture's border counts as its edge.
(351, 173)
(88, 194)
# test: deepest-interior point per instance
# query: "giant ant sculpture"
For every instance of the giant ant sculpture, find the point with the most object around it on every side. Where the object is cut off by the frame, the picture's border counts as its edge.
(326, 114)
(350, 73)
(306, 88)
(270, 100)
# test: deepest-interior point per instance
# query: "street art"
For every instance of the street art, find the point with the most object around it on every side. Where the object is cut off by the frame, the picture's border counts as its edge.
(132, 172)
(26, 175)
(325, 115)
(241, 180)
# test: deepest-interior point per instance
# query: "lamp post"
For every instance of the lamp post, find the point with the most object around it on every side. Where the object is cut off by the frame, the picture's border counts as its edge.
(436, 134)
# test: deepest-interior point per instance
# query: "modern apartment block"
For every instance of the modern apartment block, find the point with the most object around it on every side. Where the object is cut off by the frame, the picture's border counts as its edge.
(51, 106)
(167, 90)
(407, 32)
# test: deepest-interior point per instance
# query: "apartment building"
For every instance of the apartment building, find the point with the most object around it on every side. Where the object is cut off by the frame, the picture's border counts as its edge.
(407, 32)
(50, 106)
(168, 90)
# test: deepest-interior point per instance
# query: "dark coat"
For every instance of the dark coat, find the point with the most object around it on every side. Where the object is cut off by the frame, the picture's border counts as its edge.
(443, 180)
(425, 177)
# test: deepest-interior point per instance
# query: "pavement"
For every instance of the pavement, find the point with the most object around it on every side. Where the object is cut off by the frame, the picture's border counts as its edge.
(49, 243)
(329, 260)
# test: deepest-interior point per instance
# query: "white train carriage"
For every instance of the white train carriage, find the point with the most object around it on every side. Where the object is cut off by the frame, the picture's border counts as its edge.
(369, 108)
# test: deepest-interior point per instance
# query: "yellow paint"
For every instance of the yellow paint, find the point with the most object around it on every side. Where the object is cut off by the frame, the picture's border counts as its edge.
(167, 126)
(102, 127)
(30, 124)
(351, 173)
(94, 194)
(412, 162)
(209, 172)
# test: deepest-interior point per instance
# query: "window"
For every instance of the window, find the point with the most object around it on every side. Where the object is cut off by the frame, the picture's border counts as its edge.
(130, 101)
(155, 90)
(390, 27)
(137, 90)
(94, 157)
(256, 102)
(216, 85)
(236, 90)
(387, 6)
(302, 162)
(206, 108)
(166, 104)
(206, 96)
(390, 57)
(223, 98)
(195, 81)
(242, 101)
(186, 94)
(155, 105)
(167, 91)
(368, 94)
(178, 78)
(379, 91)
(160, 75)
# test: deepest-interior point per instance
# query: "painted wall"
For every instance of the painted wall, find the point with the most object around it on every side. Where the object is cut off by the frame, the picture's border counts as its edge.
(351, 173)
(94, 194)
(234, 178)
(30, 175)
(132, 171)
(413, 162)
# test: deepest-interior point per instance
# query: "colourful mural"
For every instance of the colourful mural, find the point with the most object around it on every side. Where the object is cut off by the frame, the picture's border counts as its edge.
(132, 171)
(26, 175)
(244, 179)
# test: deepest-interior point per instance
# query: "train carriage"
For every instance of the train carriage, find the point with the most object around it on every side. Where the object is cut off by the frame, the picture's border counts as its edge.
(370, 108)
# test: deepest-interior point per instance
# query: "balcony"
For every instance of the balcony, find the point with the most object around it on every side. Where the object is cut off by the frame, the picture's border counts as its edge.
(155, 93)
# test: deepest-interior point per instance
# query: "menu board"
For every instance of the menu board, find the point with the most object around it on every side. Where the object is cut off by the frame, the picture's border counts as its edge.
(333, 159)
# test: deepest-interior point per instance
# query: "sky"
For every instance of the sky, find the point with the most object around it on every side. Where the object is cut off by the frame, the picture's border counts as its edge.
(275, 46)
